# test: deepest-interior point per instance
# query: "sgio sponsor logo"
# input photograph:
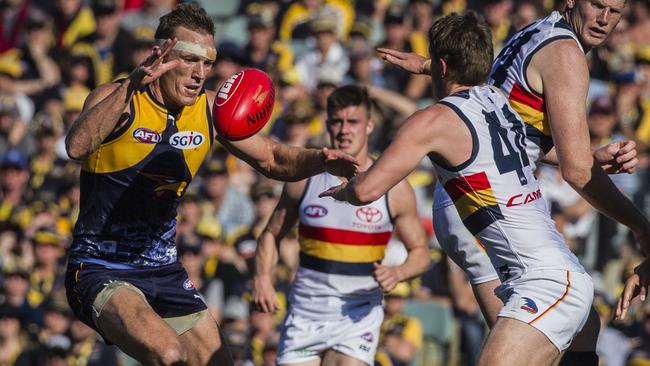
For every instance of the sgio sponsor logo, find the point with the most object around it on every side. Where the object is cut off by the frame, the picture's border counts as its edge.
(228, 88)
(186, 140)
(146, 136)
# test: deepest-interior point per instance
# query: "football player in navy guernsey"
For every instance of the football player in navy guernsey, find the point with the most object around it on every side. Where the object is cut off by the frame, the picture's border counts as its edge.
(140, 141)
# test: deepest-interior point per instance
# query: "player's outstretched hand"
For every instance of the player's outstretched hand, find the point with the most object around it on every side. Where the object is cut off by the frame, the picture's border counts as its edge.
(154, 65)
(339, 163)
(635, 285)
(336, 192)
(617, 157)
(386, 276)
(409, 61)
(264, 297)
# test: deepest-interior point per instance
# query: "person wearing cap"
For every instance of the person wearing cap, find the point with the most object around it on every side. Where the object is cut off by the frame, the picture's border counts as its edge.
(47, 275)
(12, 339)
(327, 58)
(109, 46)
(232, 208)
(400, 335)
(262, 50)
(133, 176)
(14, 175)
(339, 282)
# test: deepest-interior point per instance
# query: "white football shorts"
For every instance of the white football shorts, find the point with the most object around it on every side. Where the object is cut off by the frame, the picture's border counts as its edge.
(556, 302)
(355, 335)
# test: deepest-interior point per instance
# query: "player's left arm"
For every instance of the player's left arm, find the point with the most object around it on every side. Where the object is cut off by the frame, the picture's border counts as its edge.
(287, 163)
(401, 200)
(615, 158)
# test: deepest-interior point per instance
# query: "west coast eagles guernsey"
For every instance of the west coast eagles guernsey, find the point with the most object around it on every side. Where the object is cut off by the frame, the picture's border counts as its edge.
(339, 243)
(495, 192)
(509, 73)
(131, 186)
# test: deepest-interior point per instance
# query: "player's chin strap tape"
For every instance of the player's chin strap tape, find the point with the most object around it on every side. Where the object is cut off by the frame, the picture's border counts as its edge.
(208, 53)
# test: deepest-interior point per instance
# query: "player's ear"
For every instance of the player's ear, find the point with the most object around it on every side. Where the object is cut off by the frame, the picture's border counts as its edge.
(370, 126)
(443, 68)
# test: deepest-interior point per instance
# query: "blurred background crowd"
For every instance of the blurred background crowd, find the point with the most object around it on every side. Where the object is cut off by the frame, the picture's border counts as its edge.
(54, 52)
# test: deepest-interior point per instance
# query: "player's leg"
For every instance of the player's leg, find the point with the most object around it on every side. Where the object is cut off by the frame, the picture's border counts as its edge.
(335, 358)
(543, 312)
(512, 342)
(203, 343)
(128, 321)
(582, 351)
(489, 302)
(302, 341)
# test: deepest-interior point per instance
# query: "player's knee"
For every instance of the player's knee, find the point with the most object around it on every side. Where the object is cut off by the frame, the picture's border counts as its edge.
(170, 353)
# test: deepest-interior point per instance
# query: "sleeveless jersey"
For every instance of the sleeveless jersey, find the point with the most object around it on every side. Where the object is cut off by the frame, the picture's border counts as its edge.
(509, 73)
(495, 192)
(339, 243)
(132, 184)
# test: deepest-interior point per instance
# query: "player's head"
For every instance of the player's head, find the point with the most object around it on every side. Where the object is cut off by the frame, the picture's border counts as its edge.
(194, 31)
(593, 20)
(461, 51)
(348, 119)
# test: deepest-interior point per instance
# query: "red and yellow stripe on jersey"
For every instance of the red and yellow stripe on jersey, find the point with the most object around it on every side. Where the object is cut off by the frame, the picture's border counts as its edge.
(530, 107)
(475, 201)
(338, 251)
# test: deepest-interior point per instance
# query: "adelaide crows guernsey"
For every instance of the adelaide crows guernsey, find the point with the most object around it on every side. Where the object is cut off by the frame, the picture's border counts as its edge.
(339, 243)
(495, 192)
(132, 184)
(509, 74)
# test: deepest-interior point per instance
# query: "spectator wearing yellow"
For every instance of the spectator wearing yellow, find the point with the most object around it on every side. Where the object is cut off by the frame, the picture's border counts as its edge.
(263, 51)
(296, 20)
(401, 335)
(47, 275)
(72, 21)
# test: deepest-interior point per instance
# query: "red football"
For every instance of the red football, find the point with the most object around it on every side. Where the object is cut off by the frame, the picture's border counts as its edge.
(243, 104)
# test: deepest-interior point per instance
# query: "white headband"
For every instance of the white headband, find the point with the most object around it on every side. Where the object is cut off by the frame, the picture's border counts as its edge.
(208, 53)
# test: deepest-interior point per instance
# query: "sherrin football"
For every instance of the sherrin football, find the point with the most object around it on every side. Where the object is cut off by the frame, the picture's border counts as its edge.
(243, 104)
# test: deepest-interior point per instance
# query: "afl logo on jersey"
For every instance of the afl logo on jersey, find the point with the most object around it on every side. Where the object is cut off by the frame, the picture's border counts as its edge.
(228, 89)
(315, 211)
(369, 215)
(186, 140)
(146, 136)
(188, 284)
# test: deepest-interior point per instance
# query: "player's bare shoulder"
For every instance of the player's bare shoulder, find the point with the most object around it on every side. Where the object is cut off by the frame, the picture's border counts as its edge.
(100, 93)
(560, 57)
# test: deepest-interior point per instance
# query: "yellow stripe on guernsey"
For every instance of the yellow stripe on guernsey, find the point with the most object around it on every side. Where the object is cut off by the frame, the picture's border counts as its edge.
(342, 252)
(143, 131)
(346, 246)
(473, 201)
(530, 107)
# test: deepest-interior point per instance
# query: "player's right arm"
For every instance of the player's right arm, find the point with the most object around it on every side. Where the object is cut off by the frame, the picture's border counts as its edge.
(565, 91)
(282, 220)
(106, 107)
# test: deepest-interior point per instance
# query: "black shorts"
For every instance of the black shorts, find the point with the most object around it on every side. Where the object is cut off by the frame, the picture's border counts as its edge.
(167, 289)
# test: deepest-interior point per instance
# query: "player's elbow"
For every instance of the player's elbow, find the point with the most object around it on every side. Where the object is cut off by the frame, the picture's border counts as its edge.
(576, 176)
(364, 195)
(74, 150)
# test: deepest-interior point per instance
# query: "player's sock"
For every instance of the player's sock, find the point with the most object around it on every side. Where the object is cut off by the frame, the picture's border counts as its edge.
(572, 358)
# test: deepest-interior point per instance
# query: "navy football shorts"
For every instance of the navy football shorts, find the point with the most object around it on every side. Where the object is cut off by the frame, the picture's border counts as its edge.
(167, 289)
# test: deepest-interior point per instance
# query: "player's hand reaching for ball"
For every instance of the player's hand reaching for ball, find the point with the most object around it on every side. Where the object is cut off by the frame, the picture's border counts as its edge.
(264, 297)
(409, 61)
(635, 285)
(617, 157)
(154, 66)
(339, 163)
(386, 276)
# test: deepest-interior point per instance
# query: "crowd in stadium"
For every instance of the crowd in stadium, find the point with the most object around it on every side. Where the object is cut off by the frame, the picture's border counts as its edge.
(53, 53)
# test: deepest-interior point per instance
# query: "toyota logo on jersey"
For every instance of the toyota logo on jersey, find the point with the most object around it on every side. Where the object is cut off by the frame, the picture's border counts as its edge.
(369, 214)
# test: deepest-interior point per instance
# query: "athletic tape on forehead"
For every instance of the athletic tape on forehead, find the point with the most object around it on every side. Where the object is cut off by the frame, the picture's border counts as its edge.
(194, 48)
